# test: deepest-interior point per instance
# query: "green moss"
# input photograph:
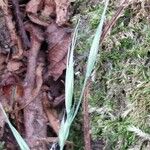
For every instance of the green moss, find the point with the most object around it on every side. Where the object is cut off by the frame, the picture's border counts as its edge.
(127, 74)
(113, 131)
(126, 43)
(120, 71)
(76, 134)
(94, 15)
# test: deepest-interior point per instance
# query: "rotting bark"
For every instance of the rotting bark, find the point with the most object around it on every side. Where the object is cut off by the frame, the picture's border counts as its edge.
(35, 123)
(4, 34)
(14, 41)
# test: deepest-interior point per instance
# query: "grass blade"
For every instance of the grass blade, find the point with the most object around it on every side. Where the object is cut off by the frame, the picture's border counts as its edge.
(139, 132)
(19, 139)
(69, 83)
(93, 54)
(69, 79)
(69, 86)
(95, 44)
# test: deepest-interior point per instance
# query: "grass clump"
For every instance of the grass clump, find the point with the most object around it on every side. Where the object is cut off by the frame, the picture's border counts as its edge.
(21, 142)
(72, 109)
(120, 92)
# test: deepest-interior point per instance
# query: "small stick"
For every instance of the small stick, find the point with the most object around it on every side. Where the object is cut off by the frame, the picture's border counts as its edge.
(113, 20)
(34, 110)
(21, 28)
(86, 121)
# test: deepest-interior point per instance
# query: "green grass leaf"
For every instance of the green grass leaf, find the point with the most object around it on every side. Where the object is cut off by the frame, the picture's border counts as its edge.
(23, 145)
(69, 87)
(93, 54)
(71, 111)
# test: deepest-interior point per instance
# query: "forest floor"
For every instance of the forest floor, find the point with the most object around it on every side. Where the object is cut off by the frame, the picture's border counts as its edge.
(34, 40)
(119, 103)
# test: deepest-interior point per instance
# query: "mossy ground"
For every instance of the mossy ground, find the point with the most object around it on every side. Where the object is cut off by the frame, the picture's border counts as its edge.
(120, 95)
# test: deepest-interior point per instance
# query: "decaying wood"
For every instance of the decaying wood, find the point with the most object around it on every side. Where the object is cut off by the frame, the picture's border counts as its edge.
(14, 39)
(36, 91)
(8, 20)
(4, 35)
(36, 41)
(2, 62)
(35, 124)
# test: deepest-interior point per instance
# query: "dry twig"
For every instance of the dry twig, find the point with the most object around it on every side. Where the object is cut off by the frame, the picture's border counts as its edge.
(35, 123)
(114, 19)
(20, 24)
(86, 121)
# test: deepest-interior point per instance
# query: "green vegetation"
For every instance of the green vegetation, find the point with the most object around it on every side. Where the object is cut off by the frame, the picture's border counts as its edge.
(120, 96)
(72, 108)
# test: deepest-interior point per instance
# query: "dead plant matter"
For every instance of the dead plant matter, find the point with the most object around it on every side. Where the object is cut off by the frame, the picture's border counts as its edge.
(33, 49)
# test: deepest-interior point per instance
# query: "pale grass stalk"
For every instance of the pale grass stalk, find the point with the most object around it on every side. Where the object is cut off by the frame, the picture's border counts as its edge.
(22, 144)
(71, 110)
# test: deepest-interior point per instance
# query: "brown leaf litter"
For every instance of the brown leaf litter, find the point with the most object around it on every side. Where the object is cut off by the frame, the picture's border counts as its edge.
(58, 8)
(58, 42)
(35, 41)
